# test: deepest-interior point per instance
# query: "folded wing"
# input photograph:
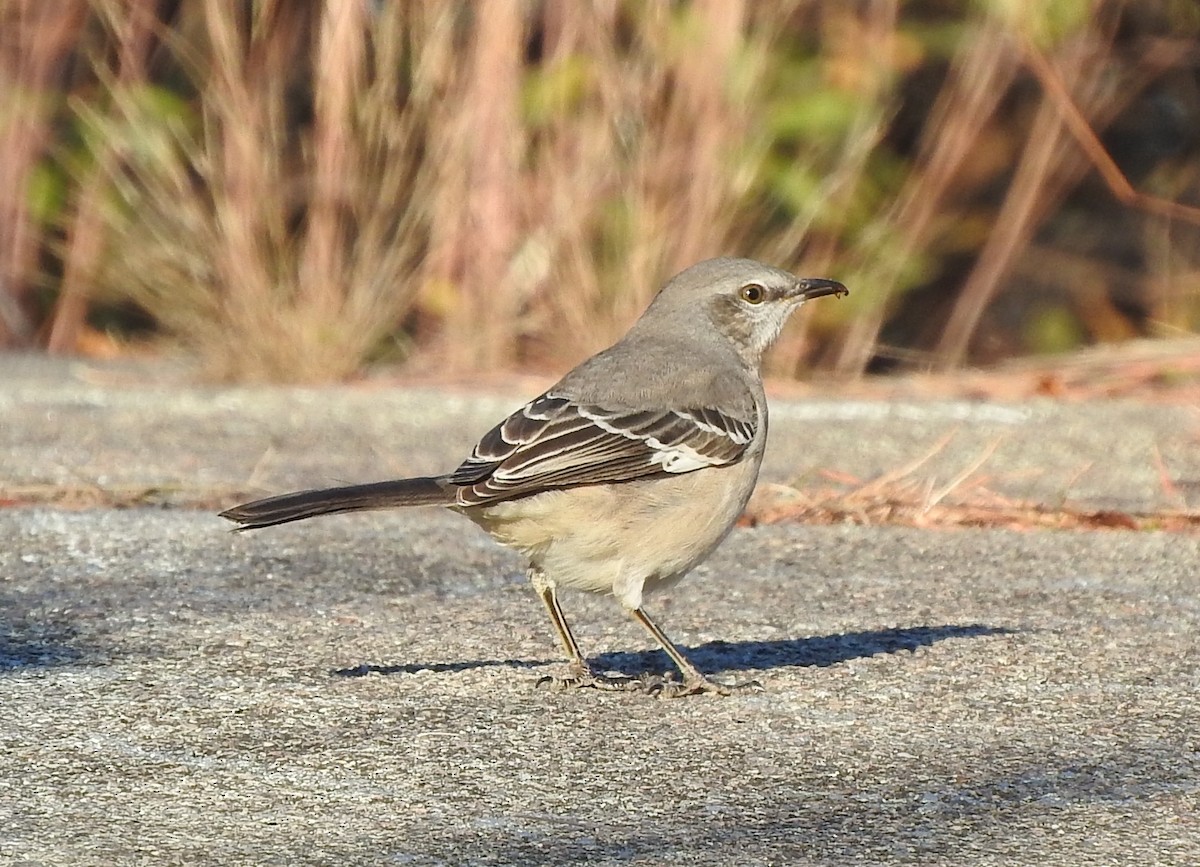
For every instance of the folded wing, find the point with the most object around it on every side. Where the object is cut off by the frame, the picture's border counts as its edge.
(553, 442)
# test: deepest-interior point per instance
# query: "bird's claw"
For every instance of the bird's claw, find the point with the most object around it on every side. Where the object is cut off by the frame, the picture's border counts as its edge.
(666, 687)
(588, 679)
(658, 685)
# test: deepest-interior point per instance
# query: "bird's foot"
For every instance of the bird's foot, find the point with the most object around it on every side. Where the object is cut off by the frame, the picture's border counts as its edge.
(658, 685)
(668, 687)
(585, 678)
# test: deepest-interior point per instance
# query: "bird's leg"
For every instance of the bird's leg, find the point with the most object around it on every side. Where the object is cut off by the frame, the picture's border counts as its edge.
(545, 589)
(581, 674)
(694, 680)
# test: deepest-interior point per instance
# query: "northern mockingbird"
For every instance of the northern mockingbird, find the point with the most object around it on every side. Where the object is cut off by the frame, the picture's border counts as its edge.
(629, 471)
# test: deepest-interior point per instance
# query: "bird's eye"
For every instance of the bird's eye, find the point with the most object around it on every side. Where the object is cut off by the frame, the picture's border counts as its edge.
(753, 293)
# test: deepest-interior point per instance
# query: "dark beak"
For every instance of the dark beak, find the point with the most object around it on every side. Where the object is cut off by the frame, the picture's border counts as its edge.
(808, 288)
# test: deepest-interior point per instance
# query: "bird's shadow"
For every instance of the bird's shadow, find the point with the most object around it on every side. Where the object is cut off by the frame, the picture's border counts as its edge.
(714, 657)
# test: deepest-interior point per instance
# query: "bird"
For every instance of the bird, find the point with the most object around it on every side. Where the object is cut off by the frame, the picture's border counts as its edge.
(629, 471)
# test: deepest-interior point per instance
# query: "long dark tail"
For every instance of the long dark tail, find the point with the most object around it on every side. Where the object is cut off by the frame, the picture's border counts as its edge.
(353, 498)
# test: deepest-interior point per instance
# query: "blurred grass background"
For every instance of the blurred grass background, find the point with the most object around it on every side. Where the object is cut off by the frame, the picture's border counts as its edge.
(289, 191)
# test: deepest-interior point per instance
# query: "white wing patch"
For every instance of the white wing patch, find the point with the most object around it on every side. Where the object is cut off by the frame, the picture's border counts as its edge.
(679, 459)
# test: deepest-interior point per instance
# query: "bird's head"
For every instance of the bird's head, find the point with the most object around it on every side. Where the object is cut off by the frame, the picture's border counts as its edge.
(746, 301)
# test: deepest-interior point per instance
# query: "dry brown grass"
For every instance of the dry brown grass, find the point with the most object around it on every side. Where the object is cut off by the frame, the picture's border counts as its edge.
(905, 496)
(291, 189)
(892, 500)
(274, 252)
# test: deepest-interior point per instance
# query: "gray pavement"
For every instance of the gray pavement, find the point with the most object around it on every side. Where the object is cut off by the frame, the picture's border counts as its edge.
(360, 689)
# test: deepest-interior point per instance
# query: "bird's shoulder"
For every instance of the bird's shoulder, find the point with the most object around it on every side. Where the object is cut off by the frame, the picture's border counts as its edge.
(658, 374)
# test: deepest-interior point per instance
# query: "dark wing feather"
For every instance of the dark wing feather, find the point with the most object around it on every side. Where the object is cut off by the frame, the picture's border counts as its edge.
(553, 442)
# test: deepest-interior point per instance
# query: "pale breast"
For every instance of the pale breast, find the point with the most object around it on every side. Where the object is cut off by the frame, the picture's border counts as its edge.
(623, 537)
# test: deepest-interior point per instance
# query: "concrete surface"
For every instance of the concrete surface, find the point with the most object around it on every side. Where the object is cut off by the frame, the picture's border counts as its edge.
(360, 689)
(121, 426)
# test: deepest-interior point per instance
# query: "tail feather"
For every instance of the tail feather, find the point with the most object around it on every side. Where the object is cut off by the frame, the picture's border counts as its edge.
(428, 491)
